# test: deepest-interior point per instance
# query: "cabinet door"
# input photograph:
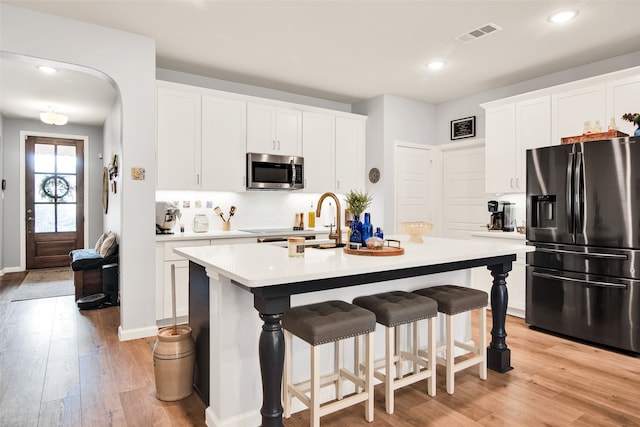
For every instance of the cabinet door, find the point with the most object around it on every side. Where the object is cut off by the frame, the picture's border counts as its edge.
(289, 131)
(224, 135)
(318, 139)
(500, 149)
(178, 140)
(261, 133)
(350, 154)
(571, 109)
(533, 130)
(182, 289)
(623, 97)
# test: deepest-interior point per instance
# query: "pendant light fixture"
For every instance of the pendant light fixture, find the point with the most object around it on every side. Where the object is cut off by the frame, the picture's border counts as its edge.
(52, 118)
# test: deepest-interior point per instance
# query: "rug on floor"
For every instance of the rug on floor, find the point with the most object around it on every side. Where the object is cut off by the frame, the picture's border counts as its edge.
(45, 283)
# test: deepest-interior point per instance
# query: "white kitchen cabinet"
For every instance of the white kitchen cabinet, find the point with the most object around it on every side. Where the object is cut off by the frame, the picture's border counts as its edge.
(274, 130)
(500, 149)
(623, 96)
(318, 148)
(350, 154)
(572, 108)
(512, 129)
(165, 258)
(224, 133)
(516, 280)
(178, 140)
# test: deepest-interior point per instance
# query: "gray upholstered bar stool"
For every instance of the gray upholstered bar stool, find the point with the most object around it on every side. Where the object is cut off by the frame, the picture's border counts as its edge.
(394, 309)
(321, 323)
(454, 300)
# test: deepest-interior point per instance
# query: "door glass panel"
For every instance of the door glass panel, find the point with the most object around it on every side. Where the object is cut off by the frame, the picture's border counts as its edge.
(67, 217)
(44, 188)
(45, 218)
(44, 158)
(66, 159)
(66, 188)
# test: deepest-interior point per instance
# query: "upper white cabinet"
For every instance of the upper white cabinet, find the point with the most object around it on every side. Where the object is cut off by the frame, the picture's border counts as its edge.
(510, 130)
(224, 134)
(572, 108)
(623, 96)
(178, 140)
(350, 154)
(318, 148)
(274, 130)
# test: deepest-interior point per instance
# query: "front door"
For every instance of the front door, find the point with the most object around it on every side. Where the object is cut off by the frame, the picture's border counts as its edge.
(54, 204)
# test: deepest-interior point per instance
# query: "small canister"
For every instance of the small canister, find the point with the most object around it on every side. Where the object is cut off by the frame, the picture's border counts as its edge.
(296, 246)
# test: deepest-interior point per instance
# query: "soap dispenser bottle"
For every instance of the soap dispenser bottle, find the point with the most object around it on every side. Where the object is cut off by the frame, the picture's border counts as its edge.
(312, 217)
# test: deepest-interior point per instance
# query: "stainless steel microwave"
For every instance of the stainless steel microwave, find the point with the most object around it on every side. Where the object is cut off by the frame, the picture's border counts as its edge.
(274, 172)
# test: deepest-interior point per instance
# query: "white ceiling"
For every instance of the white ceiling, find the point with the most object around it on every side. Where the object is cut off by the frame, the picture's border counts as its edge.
(347, 51)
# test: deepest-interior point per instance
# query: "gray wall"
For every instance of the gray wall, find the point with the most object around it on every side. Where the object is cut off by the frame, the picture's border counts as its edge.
(244, 89)
(392, 118)
(11, 160)
(470, 105)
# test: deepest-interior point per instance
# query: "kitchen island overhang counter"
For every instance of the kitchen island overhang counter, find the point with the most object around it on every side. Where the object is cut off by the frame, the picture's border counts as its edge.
(272, 277)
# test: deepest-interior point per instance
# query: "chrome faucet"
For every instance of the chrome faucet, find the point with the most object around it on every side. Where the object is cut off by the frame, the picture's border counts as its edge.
(337, 236)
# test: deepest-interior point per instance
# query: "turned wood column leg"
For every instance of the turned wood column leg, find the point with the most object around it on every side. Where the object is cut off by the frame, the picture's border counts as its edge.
(498, 354)
(271, 352)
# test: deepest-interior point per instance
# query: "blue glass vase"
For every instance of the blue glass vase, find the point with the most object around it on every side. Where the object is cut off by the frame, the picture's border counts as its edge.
(637, 131)
(367, 228)
(356, 230)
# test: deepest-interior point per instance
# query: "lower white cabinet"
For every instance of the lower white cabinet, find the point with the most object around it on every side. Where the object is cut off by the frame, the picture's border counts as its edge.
(165, 258)
(516, 280)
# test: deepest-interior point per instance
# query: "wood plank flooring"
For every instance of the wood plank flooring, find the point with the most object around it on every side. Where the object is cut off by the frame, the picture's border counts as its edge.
(60, 366)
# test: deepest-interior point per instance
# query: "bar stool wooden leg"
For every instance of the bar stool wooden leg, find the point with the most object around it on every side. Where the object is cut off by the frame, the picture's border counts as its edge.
(450, 354)
(286, 375)
(337, 366)
(482, 344)
(431, 353)
(389, 367)
(315, 386)
(368, 378)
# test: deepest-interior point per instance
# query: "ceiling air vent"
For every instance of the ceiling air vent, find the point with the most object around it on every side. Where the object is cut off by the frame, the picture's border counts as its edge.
(475, 34)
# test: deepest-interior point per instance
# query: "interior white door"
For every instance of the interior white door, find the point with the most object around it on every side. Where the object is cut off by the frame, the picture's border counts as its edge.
(464, 199)
(413, 178)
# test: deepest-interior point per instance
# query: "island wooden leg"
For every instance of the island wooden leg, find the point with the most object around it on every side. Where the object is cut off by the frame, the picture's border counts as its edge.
(498, 354)
(271, 350)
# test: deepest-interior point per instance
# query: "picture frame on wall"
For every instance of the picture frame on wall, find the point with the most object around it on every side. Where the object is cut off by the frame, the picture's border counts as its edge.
(463, 128)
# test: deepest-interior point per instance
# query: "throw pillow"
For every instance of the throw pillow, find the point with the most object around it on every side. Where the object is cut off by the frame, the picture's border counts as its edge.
(100, 241)
(109, 245)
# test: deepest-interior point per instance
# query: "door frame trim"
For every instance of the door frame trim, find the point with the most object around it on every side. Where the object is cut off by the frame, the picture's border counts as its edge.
(23, 224)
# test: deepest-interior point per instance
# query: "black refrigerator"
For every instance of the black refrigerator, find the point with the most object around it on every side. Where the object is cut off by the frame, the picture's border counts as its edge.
(583, 217)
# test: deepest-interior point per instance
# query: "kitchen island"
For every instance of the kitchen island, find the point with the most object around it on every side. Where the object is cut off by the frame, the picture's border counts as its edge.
(231, 278)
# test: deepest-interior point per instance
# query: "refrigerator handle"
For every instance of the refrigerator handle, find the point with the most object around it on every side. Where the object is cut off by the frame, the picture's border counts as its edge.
(578, 188)
(569, 196)
(588, 282)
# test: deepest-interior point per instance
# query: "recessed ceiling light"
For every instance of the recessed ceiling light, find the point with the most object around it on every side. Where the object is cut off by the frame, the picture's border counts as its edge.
(47, 70)
(563, 16)
(435, 65)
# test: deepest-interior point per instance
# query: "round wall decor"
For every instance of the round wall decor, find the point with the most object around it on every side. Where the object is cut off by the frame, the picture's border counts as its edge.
(105, 189)
(374, 175)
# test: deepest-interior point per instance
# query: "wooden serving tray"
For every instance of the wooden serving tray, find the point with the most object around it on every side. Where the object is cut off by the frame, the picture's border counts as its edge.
(386, 250)
(593, 137)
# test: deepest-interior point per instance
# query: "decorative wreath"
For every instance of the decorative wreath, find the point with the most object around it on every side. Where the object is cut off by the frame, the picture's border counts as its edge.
(55, 187)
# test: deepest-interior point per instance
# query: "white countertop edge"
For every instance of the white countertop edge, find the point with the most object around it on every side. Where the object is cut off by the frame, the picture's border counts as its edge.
(514, 235)
(259, 265)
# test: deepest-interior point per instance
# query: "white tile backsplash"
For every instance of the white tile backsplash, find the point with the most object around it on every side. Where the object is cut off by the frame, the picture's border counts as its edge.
(254, 209)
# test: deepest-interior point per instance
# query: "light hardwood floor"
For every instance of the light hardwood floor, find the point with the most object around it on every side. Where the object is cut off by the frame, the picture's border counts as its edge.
(60, 366)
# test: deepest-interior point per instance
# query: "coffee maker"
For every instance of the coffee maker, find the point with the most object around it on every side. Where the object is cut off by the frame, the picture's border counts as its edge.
(496, 215)
(166, 214)
(501, 215)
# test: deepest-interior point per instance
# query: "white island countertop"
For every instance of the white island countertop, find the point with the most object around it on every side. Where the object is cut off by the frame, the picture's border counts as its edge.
(260, 265)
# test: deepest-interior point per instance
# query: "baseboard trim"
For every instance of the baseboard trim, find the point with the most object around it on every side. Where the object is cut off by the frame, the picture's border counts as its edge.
(133, 334)
(248, 419)
(11, 270)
